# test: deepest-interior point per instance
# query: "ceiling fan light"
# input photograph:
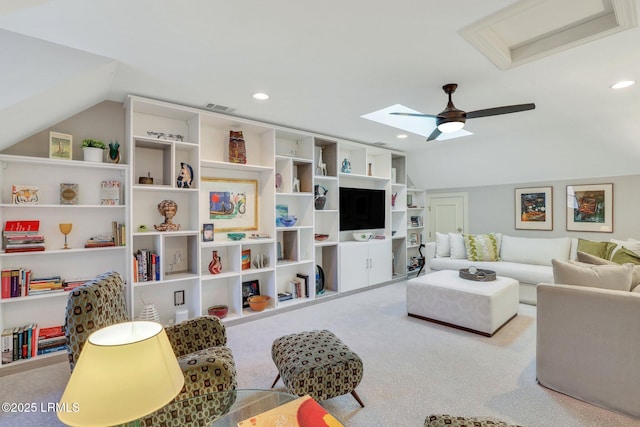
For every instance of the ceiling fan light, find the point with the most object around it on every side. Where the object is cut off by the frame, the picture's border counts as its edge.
(450, 127)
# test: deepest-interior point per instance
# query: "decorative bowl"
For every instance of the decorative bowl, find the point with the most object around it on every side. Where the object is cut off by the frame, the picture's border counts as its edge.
(362, 236)
(288, 221)
(219, 311)
(236, 236)
(321, 237)
(258, 302)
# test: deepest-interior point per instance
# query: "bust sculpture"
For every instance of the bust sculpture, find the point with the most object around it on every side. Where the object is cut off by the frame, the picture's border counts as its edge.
(168, 209)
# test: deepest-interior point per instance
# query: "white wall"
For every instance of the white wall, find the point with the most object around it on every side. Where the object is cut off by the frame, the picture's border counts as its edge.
(492, 208)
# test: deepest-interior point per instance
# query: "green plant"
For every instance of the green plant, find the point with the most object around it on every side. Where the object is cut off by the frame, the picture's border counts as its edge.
(94, 143)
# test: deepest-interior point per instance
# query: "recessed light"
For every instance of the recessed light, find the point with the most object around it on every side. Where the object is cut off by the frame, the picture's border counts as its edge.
(260, 96)
(622, 84)
(402, 136)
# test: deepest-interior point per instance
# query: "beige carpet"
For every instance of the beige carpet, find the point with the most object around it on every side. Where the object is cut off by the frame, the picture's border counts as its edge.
(411, 368)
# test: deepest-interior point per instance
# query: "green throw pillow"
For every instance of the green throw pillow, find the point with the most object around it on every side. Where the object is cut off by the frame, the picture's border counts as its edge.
(600, 249)
(481, 247)
(624, 255)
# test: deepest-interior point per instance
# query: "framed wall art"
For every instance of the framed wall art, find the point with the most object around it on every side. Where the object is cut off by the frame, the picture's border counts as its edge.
(232, 203)
(590, 208)
(250, 288)
(534, 208)
(60, 146)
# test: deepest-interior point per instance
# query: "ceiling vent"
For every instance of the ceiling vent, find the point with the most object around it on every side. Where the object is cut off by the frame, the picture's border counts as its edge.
(219, 108)
(532, 29)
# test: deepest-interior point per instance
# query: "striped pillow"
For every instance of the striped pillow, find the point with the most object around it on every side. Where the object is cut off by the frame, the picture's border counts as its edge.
(481, 247)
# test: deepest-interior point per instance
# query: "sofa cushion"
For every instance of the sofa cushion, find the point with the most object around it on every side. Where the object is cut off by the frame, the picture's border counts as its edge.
(442, 245)
(481, 247)
(600, 249)
(528, 250)
(624, 255)
(593, 259)
(456, 241)
(631, 244)
(612, 277)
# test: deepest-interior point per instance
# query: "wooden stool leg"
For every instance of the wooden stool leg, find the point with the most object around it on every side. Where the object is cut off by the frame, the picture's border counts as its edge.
(355, 395)
(274, 383)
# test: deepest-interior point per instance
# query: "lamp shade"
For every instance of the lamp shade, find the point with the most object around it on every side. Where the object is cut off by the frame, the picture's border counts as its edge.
(449, 127)
(124, 372)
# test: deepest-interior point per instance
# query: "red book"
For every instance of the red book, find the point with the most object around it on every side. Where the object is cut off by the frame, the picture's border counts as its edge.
(6, 283)
(32, 249)
(33, 225)
(50, 332)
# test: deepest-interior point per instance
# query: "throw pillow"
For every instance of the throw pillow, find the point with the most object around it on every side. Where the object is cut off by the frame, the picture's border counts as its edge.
(443, 249)
(481, 247)
(458, 251)
(600, 249)
(631, 244)
(624, 255)
(592, 259)
(614, 277)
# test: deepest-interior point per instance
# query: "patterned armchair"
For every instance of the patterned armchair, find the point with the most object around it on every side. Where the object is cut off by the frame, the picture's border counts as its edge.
(199, 345)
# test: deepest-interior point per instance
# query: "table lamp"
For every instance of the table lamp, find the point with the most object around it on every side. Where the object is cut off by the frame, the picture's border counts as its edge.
(125, 372)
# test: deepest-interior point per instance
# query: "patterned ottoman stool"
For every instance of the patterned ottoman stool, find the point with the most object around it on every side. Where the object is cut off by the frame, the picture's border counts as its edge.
(317, 363)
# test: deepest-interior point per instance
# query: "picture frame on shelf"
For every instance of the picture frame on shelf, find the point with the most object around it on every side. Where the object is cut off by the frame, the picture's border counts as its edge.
(208, 232)
(178, 297)
(60, 146)
(24, 194)
(232, 203)
(534, 208)
(590, 208)
(68, 193)
(249, 288)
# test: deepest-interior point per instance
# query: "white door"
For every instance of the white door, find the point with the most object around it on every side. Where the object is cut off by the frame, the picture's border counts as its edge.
(354, 265)
(447, 213)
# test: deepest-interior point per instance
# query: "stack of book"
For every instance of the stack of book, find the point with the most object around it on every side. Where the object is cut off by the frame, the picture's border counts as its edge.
(22, 236)
(14, 282)
(100, 241)
(19, 343)
(147, 264)
(45, 285)
(51, 339)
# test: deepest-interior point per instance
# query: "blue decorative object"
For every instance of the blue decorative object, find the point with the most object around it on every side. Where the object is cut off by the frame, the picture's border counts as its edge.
(236, 236)
(114, 152)
(346, 166)
(288, 221)
(185, 179)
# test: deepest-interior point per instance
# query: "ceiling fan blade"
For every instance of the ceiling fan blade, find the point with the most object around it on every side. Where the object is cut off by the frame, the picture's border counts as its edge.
(436, 133)
(500, 110)
(415, 115)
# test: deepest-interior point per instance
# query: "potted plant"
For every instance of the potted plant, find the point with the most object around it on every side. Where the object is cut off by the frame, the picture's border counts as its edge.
(92, 149)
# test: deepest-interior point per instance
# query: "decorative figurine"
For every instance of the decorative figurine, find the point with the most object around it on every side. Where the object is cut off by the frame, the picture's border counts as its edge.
(168, 209)
(114, 152)
(346, 166)
(185, 179)
(322, 166)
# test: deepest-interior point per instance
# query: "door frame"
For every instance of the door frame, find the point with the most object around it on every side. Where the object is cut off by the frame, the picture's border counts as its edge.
(465, 210)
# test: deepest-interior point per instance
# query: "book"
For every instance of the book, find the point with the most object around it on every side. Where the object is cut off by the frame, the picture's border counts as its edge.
(246, 259)
(68, 194)
(6, 283)
(24, 194)
(7, 346)
(301, 412)
(21, 226)
(110, 193)
(305, 279)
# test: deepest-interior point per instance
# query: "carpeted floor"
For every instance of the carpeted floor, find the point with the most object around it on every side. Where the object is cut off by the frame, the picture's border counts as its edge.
(412, 368)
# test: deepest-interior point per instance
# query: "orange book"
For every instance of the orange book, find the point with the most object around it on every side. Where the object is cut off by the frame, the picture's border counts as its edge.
(302, 412)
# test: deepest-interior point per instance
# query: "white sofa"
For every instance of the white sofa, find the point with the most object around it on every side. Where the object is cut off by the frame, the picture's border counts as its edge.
(528, 260)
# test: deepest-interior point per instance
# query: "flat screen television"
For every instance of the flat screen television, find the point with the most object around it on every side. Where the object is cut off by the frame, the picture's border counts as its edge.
(361, 209)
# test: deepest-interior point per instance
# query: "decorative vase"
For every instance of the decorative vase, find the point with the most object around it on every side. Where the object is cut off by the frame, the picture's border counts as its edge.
(346, 166)
(215, 266)
(185, 179)
(92, 154)
(320, 197)
(237, 149)
(114, 152)
(149, 313)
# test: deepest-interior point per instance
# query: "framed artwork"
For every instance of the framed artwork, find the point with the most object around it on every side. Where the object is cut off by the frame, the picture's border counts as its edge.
(590, 208)
(250, 288)
(232, 203)
(534, 208)
(207, 232)
(178, 298)
(60, 146)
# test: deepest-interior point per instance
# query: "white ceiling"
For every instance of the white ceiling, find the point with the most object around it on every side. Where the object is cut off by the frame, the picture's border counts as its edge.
(325, 64)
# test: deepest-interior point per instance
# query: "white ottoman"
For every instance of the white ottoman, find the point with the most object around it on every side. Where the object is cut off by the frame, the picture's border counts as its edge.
(481, 307)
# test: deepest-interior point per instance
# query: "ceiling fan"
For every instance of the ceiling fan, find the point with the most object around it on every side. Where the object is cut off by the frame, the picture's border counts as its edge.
(452, 119)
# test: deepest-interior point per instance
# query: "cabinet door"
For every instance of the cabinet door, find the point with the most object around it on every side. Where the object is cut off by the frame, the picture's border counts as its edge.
(381, 259)
(354, 263)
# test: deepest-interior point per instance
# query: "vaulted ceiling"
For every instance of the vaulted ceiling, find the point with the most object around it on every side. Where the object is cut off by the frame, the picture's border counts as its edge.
(325, 64)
